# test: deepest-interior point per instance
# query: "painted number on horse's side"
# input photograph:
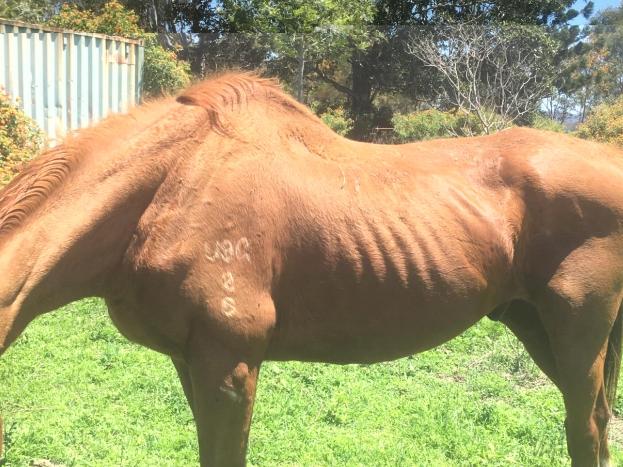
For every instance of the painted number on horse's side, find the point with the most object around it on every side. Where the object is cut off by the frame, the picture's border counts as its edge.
(228, 306)
(228, 251)
(227, 279)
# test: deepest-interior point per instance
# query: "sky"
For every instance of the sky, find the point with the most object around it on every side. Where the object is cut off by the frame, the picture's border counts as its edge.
(599, 5)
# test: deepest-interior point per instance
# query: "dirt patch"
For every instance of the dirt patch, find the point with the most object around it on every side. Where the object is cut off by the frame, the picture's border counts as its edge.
(615, 430)
(43, 463)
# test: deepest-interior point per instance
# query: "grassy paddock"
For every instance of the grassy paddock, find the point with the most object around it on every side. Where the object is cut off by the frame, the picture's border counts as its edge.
(75, 392)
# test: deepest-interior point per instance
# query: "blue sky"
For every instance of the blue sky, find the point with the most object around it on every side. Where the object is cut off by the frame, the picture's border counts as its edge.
(599, 5)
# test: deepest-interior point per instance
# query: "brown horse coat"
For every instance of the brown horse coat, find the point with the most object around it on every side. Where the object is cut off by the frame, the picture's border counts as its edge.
(231, 226)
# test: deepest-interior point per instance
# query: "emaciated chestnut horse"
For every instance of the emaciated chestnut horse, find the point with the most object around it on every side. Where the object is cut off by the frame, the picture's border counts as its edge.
(230, 226)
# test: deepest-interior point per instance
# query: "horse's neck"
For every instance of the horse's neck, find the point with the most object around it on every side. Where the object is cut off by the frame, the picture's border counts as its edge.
(72, 244)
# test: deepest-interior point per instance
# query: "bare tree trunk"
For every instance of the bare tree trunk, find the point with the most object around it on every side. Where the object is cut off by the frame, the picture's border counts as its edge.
(361, 98)
(300, 81)
(584, 104)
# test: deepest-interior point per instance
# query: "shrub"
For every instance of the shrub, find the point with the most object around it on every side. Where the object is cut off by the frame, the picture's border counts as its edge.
(604, 123)
(541, 122)
(72, 17)
(470, 125)
(432, 123)
(338, 121)
(162, 71)
(426, 124)
(20, 138)
(115, 20)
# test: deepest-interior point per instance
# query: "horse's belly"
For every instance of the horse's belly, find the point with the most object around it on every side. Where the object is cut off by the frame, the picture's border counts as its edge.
(370, 324)
(378, 290)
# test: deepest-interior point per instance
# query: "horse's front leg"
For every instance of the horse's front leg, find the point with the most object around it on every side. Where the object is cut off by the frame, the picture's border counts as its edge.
(223, 391)
(183, 374)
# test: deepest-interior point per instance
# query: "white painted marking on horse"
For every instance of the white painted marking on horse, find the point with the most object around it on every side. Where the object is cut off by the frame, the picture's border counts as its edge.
(228, 306)
(228, 282)
(226, 250)
(223, 250)
(242, 249)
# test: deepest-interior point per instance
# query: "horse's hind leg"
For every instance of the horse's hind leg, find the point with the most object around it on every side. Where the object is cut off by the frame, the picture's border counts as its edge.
(578, 337)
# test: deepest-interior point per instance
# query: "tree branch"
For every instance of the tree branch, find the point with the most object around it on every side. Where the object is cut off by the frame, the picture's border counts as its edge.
(331, 81)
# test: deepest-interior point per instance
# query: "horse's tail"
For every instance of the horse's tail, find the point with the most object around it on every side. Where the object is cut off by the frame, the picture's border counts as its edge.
(612, 365)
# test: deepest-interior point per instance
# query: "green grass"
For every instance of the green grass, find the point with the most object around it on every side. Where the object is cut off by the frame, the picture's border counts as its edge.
(75, 392)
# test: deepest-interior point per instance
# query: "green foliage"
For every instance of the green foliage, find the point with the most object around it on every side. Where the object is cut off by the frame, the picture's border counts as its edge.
(338, 120)
(356, 48)
(296, 16)
(426, 124)
(500, 73)
(72, 17)
(541, 122)
(162, 71)
(604, 123)
(113, 19)
(304, 37)
(433, 123)
(75, 392)
(31, 11)
(20, 139)
(592, 70)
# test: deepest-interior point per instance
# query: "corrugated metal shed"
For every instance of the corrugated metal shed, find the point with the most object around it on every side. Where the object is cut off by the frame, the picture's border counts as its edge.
(67, 80)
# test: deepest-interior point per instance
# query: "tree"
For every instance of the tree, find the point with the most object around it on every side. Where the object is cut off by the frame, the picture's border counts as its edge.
(302, 34)
(352, 51)
(384, 66)
(112, 19)
(596, 69)
(364, 60)
(607, 33)
(31, 11)
(500, 73)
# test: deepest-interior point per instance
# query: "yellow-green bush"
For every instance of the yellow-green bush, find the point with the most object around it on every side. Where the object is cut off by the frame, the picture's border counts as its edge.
(541, 122)
(20, 139)
(338, 120)
(113, 19)
(162, 71)
(426, 124)
(604, 123)
(432, 123)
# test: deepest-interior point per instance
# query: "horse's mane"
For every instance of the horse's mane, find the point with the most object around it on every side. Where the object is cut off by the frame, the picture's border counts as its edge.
(40, 177)
(218, 96)
(32, 185)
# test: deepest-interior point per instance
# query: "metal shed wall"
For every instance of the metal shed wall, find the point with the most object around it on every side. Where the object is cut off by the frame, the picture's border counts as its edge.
(67, 80)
